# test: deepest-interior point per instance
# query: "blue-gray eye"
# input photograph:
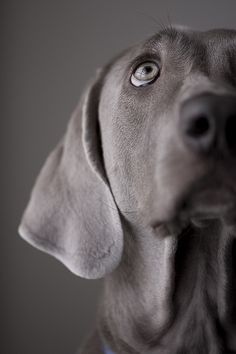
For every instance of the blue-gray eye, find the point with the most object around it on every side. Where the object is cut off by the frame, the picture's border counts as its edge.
(145, 74)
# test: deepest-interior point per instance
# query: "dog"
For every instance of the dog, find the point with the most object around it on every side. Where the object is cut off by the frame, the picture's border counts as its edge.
(141, 190)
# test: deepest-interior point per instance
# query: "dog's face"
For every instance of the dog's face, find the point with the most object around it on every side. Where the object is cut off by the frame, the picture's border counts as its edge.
(153, 138)
(169, 134)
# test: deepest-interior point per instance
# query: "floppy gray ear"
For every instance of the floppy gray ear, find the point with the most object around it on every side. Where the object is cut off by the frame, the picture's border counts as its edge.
(72, 214)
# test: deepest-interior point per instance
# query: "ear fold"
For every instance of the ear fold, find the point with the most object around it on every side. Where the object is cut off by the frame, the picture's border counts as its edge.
(72, 214)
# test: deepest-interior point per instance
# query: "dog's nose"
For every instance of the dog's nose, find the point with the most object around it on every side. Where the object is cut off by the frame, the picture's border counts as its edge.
(208, 123)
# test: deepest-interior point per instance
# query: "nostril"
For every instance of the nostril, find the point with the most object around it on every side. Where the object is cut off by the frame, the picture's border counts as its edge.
(230, 132)
(199, 126)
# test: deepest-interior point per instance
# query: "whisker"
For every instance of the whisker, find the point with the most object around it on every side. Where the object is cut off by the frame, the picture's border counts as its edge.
(160, 23)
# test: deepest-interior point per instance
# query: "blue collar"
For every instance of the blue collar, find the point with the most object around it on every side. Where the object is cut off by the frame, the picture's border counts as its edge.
(106, 350)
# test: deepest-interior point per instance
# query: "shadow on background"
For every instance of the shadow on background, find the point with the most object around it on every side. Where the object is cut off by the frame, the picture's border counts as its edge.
(49, 49)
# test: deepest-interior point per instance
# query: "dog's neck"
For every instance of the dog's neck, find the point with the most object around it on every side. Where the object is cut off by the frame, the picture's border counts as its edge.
(172, 293)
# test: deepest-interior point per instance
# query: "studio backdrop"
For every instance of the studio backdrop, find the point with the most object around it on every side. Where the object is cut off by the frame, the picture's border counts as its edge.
(49, 50)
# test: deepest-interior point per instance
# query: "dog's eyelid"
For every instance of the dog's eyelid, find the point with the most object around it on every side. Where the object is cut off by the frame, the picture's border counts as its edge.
(152, 57)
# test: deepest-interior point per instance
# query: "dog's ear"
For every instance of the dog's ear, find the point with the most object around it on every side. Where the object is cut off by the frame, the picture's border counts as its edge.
(72, 214)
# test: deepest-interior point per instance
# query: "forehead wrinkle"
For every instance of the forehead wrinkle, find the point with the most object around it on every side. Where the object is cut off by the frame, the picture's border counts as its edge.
(172, 39)
(183, 48)
(168, 32)
(220, 41)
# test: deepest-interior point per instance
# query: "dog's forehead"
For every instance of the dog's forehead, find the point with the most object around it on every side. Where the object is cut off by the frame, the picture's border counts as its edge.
(178, 41)
(187, 37)
(211, 51)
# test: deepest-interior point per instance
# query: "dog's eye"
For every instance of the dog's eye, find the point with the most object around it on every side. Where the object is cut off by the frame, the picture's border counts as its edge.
(146, 73)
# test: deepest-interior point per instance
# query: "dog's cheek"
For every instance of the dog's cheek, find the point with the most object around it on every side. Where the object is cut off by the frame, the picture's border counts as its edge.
(126, 159)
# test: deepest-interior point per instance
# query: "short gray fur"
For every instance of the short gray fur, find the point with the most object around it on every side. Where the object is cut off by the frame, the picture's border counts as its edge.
(109, 202)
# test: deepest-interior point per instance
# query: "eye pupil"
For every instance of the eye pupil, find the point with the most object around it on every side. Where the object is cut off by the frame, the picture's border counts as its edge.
(148, 69)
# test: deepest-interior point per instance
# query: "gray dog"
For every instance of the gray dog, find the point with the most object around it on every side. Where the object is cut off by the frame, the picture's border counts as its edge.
(141, 190)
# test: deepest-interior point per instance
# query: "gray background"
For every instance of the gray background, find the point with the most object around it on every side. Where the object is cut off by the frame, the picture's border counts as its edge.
(49, 49)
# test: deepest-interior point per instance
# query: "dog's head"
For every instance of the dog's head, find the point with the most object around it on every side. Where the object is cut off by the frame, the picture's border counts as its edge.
(169, 108)
(153, 139)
